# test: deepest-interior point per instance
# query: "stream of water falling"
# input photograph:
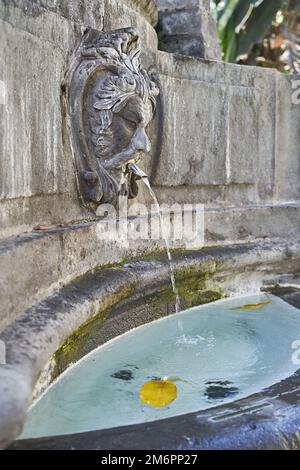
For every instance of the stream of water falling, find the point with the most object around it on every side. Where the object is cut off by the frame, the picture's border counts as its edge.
(146, 181)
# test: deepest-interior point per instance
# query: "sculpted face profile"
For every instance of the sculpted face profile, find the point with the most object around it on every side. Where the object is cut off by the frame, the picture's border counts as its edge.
(111, 102)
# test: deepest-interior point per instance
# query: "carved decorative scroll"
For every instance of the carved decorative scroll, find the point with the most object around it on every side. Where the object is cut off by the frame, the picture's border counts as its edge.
(111, 102)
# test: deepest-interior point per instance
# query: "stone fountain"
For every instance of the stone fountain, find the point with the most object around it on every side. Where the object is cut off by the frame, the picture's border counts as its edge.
(86, 89)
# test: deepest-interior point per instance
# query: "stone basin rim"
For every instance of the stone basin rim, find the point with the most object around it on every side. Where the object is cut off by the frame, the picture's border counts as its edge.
(28, 352)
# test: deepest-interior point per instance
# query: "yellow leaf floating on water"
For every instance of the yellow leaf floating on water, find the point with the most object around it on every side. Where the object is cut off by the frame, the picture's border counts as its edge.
(158, 392)
(252, 306)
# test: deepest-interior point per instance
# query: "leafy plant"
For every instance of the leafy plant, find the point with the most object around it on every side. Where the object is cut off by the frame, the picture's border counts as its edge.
(259, 31)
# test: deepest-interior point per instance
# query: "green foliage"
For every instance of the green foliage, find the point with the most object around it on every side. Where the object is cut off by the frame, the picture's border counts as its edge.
(258, 25)
(243, 24)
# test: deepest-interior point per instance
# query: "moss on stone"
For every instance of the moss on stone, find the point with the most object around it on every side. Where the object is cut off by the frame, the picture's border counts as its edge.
(203, 270)
(200, 297)
(195, 287)
(74, 347)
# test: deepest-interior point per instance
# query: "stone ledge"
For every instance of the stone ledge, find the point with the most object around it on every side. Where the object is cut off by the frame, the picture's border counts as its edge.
(213, 71)
(35, 264)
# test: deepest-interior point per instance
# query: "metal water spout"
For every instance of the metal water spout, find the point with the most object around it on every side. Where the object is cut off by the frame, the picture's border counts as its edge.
(136, 170)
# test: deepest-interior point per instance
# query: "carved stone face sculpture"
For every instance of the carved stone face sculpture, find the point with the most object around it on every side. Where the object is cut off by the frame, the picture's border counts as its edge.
(111, 100)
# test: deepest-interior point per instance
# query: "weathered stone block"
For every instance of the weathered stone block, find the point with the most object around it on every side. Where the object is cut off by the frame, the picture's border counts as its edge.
(147, 8)
(259, 150)
(184, 45)
(287, 163)
(180, 22)
(186, 27)
(193, 134)
(242, 137)
(210, 134)
(32, 149)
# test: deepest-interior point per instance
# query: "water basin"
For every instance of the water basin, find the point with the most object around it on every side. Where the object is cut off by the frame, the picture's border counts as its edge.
(216, 354)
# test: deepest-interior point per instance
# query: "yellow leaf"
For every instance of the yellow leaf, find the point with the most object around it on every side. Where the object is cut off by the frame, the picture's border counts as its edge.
(252, 306)
(40, 227)
(158, 392)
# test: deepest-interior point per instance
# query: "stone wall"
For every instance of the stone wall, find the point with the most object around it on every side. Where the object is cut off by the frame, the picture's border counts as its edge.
(186, 27)
(231, 134)
(37, 176)
(225, 135)
(240, 146)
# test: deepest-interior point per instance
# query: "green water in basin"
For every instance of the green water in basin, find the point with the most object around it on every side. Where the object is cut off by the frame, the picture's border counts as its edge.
(220, 354)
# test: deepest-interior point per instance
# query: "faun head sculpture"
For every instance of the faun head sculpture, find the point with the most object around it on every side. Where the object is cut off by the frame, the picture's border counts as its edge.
(112, 100)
